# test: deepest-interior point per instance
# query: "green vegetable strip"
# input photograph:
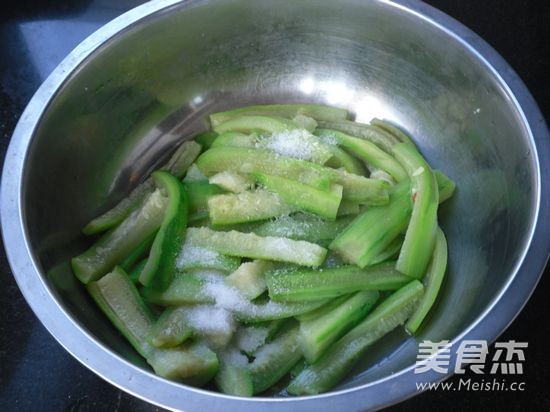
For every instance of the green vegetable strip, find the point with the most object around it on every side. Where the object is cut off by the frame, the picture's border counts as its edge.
(170, 329)
(139, 251)
(339, 358)
(261, 312)
(235, 139)
(262, 124)
(375, 229)
(161, 264)
(316, 111)
(379, 137)
(445, 186)
(306, 146)
(112, 247)
(233, 377)
(390, 128)
(368, 152)
(391, 250)
(246, 207)
(323, 310)
(249, 279)
(136, 271)
(342, 159)
(420, 236)
(199, 193)
(249, 245)
(244, 160)
(178, 164)
(206, 139)
(318, 334)
(275, 360)
(249, 338)
(303, 227)
(361, 189)
(232, 182)
(304, 197)
(191, 258)
(185, 288)
(432, 282)
(305, 285)
(119, 299)
(348, 208)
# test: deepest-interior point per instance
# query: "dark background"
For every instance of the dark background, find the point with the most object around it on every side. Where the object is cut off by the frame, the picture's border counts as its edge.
(36, 35)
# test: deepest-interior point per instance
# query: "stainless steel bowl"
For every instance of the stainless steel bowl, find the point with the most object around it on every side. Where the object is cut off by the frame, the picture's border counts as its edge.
(121, 100)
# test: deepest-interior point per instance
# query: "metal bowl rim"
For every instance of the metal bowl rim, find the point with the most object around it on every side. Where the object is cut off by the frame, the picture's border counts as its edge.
(97, 357)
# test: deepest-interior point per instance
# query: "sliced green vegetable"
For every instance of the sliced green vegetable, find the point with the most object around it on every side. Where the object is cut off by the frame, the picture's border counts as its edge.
(178, 164)
(420, 236)
(390, 252)
(432, 282)
(347, 208)
(262, 124)
(139, 251)
(316, 111)
(275, 360)
(233, 377)
(296, 143)
(250, 338)
(341, 159)
(316, 335)
(161, 264)
(194, 175)
(304, 197)
(445, 186)
(248, 278)
(119, 299)
(192, 257)
(136, 271)
(112, 247)
(185, 288)
(368, 152)
(171, 329)
(199, 193)
(391, 129)
(232, 182)
(375, 229)
(246, 207)
(206, 139)
(250, 245)
(245, 160)
(379, 137)
(340, 357)
(304, 285)
(302, 226)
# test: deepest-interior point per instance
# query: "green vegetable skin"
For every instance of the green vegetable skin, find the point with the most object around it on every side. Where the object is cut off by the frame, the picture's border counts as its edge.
(249, 124)
(234, 378)
(113, 246)
(303, 285)
(161, 264)
(304, 197)
(368, 152)
(432, 282)
(249, 245)
(337, 361)
(316, 335)
(420, 236)
(375, 229)
(119, 299)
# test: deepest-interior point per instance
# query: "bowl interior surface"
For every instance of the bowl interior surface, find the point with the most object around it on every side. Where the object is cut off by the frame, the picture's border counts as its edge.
(150, 87)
